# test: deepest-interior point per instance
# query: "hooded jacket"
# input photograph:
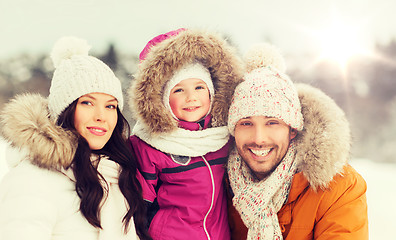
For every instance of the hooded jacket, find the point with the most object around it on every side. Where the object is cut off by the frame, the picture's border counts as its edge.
(38, 199)
(186, 179)
(327, 199)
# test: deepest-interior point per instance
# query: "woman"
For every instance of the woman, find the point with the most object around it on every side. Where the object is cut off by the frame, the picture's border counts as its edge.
(77, 179)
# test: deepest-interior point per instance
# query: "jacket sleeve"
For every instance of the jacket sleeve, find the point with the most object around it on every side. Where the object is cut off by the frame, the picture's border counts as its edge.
(25, 213)
(148, 167)
(238, 229)
(343, 209)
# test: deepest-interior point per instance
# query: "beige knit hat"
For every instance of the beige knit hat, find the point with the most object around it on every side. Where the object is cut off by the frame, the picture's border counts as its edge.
(76, 74)
(266, 90)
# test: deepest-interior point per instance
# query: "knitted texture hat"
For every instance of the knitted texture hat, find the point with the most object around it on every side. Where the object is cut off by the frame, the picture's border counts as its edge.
(193, 70)
(266, 90)
(76, 74)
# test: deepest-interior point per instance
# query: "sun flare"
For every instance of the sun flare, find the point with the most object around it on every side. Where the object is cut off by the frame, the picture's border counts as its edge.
(339, 42)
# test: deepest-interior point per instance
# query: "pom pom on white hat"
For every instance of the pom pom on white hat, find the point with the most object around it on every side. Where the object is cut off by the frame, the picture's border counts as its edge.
(266, 90)
(67, 47)
(76, 74)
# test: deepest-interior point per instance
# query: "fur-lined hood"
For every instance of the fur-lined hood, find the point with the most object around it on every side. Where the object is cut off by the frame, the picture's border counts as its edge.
(168, 56)
(323, 146)
(25, 123)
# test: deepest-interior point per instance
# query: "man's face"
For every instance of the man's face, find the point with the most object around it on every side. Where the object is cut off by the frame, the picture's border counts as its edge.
(262, 143)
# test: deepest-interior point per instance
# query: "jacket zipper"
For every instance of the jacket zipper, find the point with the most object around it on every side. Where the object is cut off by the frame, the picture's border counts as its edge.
(213, 193)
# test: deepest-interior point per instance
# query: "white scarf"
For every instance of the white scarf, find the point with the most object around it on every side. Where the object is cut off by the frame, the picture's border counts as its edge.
(184, 142)
(259, 202)
(113, 206)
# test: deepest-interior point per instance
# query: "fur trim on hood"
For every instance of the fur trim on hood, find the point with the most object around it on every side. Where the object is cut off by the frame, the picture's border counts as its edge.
(323, 146)
(165, 58)
(25, 123)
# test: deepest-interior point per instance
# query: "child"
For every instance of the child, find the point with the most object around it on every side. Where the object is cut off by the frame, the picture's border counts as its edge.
(78, 180)
(181, 96)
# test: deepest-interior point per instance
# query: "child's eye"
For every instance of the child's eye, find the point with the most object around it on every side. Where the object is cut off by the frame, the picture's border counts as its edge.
(199, 87)
(177, 90)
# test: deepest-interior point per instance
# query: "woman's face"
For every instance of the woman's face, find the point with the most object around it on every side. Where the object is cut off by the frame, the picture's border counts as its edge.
(95, 118)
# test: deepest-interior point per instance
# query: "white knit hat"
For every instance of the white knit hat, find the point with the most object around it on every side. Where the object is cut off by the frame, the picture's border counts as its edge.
(266, 90)
(76, 74)
(193, 70)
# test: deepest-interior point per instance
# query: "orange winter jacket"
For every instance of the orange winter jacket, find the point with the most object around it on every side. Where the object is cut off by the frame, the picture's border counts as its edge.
(339, 212)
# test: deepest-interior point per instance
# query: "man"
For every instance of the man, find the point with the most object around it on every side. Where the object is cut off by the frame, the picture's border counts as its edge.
(288, 171)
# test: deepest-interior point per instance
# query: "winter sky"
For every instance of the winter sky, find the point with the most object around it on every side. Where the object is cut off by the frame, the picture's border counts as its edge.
(342, 27)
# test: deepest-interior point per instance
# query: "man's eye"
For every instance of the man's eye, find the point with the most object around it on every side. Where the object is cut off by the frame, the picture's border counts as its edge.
(245, 124)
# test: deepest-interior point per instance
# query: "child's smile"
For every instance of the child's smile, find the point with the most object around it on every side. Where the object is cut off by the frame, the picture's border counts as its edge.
(190, 100)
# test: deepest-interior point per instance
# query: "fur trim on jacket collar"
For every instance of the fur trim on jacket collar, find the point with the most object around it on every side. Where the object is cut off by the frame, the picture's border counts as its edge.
(25, 123)
(323, 147)
(165, 58)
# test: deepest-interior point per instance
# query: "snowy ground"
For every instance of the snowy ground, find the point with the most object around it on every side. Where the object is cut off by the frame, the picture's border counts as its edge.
(3, 165)
(381, 193)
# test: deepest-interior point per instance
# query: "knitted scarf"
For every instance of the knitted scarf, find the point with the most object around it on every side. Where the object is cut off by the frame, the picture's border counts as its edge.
(258, 202)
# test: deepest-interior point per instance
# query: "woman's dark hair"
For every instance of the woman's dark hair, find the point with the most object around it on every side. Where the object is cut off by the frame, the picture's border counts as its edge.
(88, 185)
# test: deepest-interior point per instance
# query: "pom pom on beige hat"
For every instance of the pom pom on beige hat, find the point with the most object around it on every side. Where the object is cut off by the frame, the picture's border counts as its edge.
(266, 90)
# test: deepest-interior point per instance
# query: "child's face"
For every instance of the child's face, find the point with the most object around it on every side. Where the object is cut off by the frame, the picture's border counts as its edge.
(190, 100)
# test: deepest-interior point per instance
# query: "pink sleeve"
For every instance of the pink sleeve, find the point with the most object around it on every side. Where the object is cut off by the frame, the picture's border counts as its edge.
(147, 168)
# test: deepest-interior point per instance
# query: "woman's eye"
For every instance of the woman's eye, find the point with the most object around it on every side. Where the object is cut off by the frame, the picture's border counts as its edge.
(112, 106)
(86, 103)
(272, 123)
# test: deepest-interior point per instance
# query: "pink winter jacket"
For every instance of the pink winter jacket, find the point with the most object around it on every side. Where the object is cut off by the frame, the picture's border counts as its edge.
(191, 196)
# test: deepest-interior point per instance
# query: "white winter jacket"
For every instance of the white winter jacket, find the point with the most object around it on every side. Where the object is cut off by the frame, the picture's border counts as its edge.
(38, 200)
(37, 203)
